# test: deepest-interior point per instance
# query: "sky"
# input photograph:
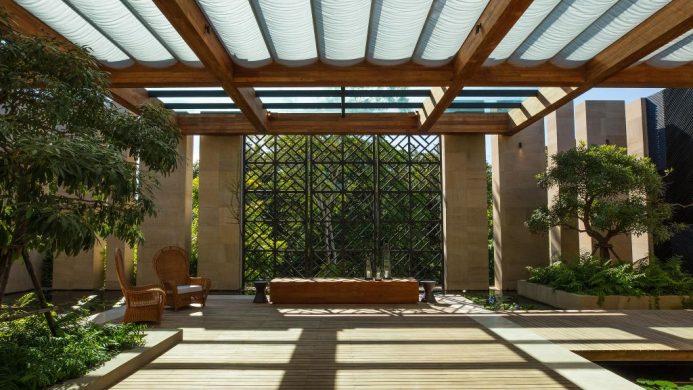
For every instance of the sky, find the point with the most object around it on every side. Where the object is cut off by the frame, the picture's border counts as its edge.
(625, 94)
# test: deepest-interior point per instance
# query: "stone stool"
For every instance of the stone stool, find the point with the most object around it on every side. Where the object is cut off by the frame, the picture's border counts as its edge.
(260, 296)
(428, 286)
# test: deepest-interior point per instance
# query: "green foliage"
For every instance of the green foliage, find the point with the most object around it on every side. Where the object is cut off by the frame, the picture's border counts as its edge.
(608, 190)
(69, 161)
(594, 276)
(31, 359)
(652, 384)
(489, 219)
(195, 218)
(497, 303)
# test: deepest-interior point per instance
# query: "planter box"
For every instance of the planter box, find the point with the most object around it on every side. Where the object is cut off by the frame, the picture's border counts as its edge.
(566, 300)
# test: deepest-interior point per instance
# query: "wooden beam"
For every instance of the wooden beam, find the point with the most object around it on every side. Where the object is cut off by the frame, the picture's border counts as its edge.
(668, 23)
(357, 123)
(187, 18)
(503, 75)
(494, 23)
(131, 98)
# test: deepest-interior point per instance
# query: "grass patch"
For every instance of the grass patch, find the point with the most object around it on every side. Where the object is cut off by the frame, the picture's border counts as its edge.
(31, 359)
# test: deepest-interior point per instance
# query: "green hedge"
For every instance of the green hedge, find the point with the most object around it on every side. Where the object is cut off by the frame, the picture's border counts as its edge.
(593, 276)
(31, 359)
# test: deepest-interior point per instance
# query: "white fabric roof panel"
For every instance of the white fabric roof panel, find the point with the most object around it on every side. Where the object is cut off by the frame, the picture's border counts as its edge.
(288, 28)
(558, 29)
(72, 26)
(150, 14)
(341, 28)
(527, 23)
(395, 28)
(446, 29)
(675, 53)
(114, 19)
(567, 33)
(616, 22)
(235, 23)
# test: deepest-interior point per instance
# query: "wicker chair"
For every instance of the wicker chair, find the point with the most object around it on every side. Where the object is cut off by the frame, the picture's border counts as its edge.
(171, 266)
(142, 304)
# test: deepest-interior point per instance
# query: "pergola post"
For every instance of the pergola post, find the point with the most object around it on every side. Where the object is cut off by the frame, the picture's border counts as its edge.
(464, 217)
(560, 136)
(516, 160)
(219, 234)
(172, 224)
(81, 272)
(601, 123)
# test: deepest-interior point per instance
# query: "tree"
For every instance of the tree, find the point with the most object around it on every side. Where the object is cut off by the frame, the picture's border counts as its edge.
(68, 156)
(608, 191)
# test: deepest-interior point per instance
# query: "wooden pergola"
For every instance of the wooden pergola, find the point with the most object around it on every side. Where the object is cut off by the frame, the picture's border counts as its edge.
(619, 64)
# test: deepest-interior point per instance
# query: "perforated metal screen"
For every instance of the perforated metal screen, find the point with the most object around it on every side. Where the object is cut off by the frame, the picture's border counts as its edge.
(322, 205)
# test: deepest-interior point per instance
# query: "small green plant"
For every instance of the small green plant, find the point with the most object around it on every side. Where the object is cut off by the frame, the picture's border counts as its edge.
(31, 359)
(593, 276)
(497, 303)
(652, 384)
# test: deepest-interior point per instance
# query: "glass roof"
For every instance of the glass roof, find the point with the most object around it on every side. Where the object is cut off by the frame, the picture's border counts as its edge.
(255, 33)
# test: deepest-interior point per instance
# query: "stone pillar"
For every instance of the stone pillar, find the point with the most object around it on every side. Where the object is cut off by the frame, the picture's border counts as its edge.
(598, 123)
(636, 134)
(560, 133)
(516, 160)
(219, 234)
(464, 221)
(81, 272)
(113, 243)
(173, 222)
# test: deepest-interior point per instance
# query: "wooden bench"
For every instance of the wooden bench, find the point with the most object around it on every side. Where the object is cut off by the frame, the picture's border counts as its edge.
(344, 291)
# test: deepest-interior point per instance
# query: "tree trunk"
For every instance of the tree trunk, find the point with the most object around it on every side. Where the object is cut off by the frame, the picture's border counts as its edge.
(5, 268)
(39, 292)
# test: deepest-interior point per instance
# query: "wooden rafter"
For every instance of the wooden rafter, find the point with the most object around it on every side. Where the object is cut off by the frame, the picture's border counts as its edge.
(356, 123)
(668, 23)
(494, 23)
(190, 22)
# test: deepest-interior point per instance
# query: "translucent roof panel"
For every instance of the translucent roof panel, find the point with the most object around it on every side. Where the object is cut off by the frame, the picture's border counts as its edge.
(395, 29)
(676, 53)
(288, 27)
(162, 28)
(448, 25)
(235, 23)
(558, 29)
(616, 22)
(342, 30)
(529, 21)
(64, 20)
(116, 21)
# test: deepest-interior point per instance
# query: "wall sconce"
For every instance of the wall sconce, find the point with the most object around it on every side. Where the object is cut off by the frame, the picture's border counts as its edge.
(519, 145)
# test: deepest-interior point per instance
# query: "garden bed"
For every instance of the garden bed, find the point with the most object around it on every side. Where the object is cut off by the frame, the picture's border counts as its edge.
(566, 300)
(157, 341)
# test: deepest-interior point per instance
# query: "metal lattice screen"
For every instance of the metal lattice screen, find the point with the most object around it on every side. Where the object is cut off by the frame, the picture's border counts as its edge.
(322, 205)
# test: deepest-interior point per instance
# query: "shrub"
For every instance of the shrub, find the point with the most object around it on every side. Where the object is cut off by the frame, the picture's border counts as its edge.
(30, 358)
(594, 276)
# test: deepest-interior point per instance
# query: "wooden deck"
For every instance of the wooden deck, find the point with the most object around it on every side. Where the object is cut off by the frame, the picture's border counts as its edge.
(233, 343)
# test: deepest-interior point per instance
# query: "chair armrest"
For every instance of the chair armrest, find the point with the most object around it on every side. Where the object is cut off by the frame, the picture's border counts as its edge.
(206, 283)
(139, 295)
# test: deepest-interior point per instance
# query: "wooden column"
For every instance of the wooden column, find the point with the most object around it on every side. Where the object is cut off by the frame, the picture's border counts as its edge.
(516, 160)
(219, 235)
(173, 222)
(464, 223)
